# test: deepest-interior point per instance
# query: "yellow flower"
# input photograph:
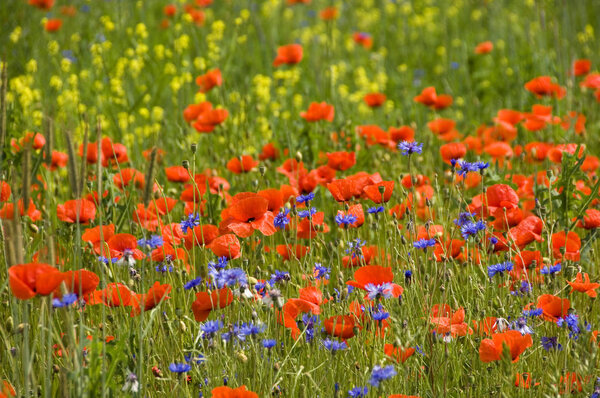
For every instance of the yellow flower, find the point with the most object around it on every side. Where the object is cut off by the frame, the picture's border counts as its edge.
(15, 34)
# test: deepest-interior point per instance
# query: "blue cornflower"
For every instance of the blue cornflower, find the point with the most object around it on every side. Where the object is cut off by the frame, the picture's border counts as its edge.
(424, 243)
(553, 269)
(355, 248)
(464, 218)
(523, 289)
(189, 223)
(549, 343)
(345, 219)
(279, 276)
(499, 268)
(408, 275)
(193, 283)
(321, 272)
(220, 264)
(210, 328)
(358, 392)
(379, 314)
(534, 312)
(572, 322)
(163, 268)
(408, 148)
(250, 329)
(521, 325)
(200, 359)
(229, 277)
(419, 350)
(472, 228)
(65, 301)
(179, 367)
(466, 167)
(281, 219)
(493, 240)
(379, 374)
(107, 261)
(269, 343)
(479, 165)
(152, 243)
(376, 291)
(305, 198)
(454, 65)
(261, 288)
(334, 345)
(307, 213)
(375, 210)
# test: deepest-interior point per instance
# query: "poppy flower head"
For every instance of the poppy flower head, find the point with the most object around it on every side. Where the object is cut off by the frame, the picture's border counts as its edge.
(28, 280)
(318, 111)
(485, 47)
(76, 211)
(289, 54)
(581, 67)
(491, 349)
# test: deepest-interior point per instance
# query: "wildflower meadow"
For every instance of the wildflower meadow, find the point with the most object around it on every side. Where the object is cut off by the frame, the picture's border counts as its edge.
(299, 198)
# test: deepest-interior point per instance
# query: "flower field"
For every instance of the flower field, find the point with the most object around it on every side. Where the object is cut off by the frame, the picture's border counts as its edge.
(299, 198)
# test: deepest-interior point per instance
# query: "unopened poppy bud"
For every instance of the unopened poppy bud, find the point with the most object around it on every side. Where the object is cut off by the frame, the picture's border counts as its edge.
(276, 366)
(241, 356)
(402, 239)
(428, 202)
(186, 164)
(182, 326)
(299, 156)
(9, 324)
(20, 328)
(33, 228)
(55, 369)
(262, 170)
(194, 147)
(255, 184)
(356, 365)
(381, 189)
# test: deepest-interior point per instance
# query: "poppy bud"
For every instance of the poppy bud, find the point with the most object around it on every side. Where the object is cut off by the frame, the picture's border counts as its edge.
(20, 328)
(262, 170)
(9, 324)
(55, 369)
(299, 156)
(241, 356)
(402, 239)
(33, 228)
(182, 326)
(194, 147)
(186, 164)
(276, 366)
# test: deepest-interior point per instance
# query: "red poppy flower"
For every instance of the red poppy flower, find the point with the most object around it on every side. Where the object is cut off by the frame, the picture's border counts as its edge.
(177, 174)
(228, 392)
(81, 282)
(583, 284)
(269, 151)
(28, 280)
(246, 215)
(205, 303)
(201, 235)
(447, 321)
(92, 235)
(289, 54)
(170, 10)
(329, 13)
(124, 244)
(357, 212)
(112, 152)
(342, 326)
(553, 307)
(52, 25)
(146, 218)
(380, 192)
(149, 300)
(5, 191)
(58, 160)
(310, 297)
(375, 135)
(36, 139)
(226, 245)
(491, 349)
(543, 86)
(398, 354)
(484, 47)
(364, 39)
(444, 129)
(375, 275)
(318, 111)
(374, 100)
(289, 251)
(487, 326)
(125, 176)
(209, 119)
(114, 295)
(42, 4)
(308, 228)
(341, 160)
(581, 67)
(591, 219)
(570, 242)
(209, 80)
(242, 164)
(402, 133)
(429, 97)
(192, 111)
(76, 211)
(8, 210)
(453, 151)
